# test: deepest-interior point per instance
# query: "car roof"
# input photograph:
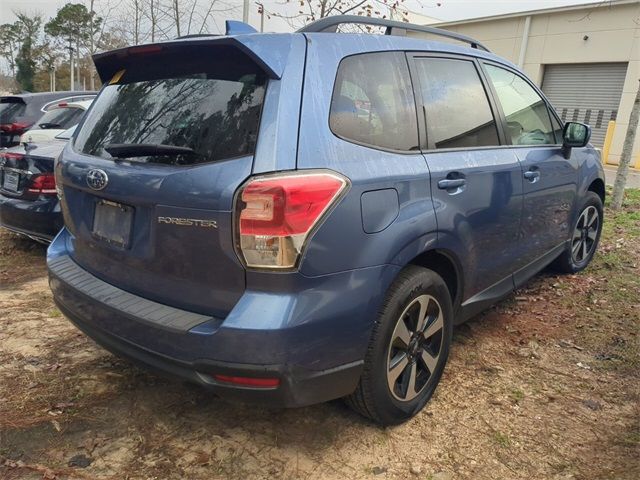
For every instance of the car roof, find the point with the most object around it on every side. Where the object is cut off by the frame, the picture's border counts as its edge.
(27, 97)
(270, 50)
(366, 42)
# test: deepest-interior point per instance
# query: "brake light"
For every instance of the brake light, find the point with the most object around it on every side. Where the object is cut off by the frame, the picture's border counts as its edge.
(63, 104)
(144, 49)
(249, 381)
(276, 214)
(43, 184)
(8, 155)
(15, 127)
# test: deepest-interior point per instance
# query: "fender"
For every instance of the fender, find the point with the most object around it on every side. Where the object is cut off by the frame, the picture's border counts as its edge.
(590, 169)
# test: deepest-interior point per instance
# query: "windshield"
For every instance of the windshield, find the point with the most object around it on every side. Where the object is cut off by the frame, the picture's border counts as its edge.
(212, 118)
(10, 109)
(61, 118)
(67, 134)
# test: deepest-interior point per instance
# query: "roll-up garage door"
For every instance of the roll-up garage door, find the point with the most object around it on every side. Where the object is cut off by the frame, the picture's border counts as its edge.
(586, 92)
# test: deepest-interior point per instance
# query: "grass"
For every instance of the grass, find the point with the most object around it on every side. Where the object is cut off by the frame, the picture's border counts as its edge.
(616, 267)
(626, 219)
(632, 439)
(501, 439)
(517, 395)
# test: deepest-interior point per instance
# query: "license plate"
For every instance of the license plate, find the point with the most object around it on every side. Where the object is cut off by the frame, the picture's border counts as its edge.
(112, 223)
(11, 181)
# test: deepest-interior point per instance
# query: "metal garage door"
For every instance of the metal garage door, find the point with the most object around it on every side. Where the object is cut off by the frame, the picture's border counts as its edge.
(588, 92)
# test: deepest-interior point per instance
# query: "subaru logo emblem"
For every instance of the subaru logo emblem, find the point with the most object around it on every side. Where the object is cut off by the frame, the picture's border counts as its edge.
(97, 179)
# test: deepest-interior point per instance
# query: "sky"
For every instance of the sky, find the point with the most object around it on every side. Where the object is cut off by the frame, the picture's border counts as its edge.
(446, 10)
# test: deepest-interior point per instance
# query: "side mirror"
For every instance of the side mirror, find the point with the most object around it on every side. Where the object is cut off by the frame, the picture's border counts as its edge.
(574, 135)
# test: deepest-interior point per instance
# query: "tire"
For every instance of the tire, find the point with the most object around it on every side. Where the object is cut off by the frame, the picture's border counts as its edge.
(397, 352)
(585, 236)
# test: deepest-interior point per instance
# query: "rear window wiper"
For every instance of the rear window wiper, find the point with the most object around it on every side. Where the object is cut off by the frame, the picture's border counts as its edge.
(127, 150)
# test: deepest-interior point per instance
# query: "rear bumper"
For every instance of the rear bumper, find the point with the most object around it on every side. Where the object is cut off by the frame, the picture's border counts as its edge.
(298, 387)
(315, 351)
(39, 219)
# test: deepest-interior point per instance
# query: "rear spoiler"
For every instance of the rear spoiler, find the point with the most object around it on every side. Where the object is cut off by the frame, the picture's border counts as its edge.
(267, 51)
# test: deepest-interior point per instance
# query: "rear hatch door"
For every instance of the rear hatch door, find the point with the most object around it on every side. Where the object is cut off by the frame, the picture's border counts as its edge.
(148, 182)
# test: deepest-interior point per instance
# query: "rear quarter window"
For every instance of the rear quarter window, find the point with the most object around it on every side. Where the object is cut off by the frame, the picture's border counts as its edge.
(10, 110)
(372, 102)
(217, 116)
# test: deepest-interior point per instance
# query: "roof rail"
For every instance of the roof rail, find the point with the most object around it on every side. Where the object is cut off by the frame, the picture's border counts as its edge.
(330, 25)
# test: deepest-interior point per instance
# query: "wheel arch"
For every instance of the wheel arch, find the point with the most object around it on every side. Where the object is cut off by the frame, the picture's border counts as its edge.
(445, 264)
(597, 186)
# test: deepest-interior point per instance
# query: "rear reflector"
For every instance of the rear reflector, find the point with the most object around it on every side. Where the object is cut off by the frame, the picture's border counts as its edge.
(249, 381)
(277, 213)
(43, 184)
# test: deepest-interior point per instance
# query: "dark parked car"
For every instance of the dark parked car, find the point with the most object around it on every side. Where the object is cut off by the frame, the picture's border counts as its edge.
(19, 112)
(293, 218)
(28, 200)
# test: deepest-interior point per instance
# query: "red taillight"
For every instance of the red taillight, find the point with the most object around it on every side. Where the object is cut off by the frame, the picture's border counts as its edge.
(16, 127)
(11, 155)
(43, 184)
(249, 381)
(277, 213)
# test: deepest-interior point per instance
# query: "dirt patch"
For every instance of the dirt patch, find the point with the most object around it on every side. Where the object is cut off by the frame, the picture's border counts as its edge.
(21, 259)
(544, 385)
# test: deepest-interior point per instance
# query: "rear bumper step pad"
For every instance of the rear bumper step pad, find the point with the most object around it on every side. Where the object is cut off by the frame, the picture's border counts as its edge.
(148, 311)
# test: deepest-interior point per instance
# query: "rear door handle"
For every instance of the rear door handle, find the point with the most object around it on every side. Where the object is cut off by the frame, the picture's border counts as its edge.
(532, 175)
(448, 184)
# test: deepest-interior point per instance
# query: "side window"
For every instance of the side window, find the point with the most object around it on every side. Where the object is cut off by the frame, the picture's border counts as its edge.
(527, 116)
(373, 103)
(456, 104)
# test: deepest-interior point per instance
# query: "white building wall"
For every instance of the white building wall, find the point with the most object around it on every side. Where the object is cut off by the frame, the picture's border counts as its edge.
(558, 36)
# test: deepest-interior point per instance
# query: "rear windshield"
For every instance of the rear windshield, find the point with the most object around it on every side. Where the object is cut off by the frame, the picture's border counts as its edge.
(61, 118)
(10, 109)
(215, 114)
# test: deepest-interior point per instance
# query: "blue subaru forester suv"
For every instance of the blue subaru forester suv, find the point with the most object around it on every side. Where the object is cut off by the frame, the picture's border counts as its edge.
(294, 218)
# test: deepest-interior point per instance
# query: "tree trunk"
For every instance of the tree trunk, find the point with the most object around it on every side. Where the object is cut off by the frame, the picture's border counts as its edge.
(176, 15)
(627, 153)
(92, 81)
(12, 59)
(78, 61)
(136, 22)
(154, 21)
